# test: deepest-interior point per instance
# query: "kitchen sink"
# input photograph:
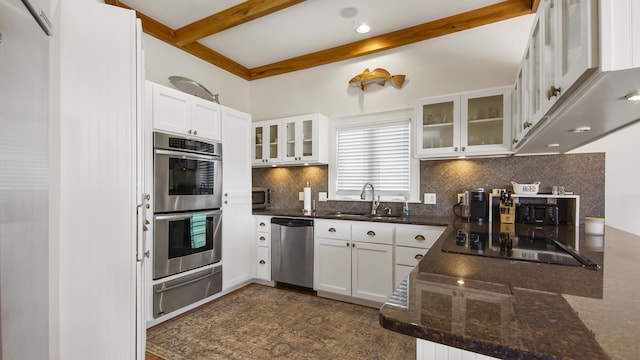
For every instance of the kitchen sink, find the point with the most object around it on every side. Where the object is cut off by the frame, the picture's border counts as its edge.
(361, 216)
(346, 214)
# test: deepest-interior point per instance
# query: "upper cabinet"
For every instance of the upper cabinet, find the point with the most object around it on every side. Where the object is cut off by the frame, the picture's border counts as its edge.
(175, 111)
(467, 124)
(296, 140)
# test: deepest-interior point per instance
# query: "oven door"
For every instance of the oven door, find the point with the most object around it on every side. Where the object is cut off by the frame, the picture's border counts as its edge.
(172, 246)
(186, 181)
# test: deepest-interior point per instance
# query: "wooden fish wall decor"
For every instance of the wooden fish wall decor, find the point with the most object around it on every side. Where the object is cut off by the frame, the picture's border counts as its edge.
(377, 76)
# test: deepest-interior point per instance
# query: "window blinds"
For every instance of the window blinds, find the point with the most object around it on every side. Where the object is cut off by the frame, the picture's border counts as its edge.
(379, 154)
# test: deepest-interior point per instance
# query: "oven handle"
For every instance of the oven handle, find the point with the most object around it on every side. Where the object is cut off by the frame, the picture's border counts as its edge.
(159, 291)
(185, 155)
(181, 216)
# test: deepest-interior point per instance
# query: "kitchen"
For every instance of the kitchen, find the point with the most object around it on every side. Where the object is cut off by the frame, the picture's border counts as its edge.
(281, 96)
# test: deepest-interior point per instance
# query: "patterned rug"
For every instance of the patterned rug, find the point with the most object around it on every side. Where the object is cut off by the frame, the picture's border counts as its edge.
(260, 322)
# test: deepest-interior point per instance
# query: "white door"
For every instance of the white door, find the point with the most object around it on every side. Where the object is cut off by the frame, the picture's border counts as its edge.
(237, 224)
(372, 271)
(332, 266)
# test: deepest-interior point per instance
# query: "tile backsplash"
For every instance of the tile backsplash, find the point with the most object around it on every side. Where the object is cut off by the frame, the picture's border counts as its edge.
(581, 173)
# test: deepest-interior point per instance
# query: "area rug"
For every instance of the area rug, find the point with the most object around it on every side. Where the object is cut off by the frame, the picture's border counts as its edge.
(260, 322)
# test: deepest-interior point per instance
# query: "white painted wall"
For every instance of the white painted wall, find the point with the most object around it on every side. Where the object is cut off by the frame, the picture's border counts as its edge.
(163, 60)
(487, 56)
(622, 193)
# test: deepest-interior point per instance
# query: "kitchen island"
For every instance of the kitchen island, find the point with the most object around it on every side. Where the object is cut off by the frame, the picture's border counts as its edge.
(513, 309)
(524, 310)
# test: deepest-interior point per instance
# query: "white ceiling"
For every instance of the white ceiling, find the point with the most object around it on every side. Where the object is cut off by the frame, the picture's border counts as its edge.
(310, 26)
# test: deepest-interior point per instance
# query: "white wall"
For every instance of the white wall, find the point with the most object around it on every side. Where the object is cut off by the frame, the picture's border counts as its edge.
(622, 172)
(163, 60)
(483, 57)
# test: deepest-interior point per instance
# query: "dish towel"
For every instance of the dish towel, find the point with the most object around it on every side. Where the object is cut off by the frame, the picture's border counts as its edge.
(198, 230)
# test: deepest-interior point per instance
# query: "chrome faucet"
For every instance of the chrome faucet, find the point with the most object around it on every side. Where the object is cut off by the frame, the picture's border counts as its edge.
(374, 203)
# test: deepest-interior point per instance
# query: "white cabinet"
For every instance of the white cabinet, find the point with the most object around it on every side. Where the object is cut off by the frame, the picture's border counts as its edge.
(354, 259)
(412, 243)
(237, 238)
(562, 51)
(178, 112)
(296, 140)
(266, 148)
(263, 247)
(466, 124)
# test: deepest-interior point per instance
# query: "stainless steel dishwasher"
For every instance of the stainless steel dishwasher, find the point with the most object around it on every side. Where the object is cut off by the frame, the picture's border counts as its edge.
(292, 251)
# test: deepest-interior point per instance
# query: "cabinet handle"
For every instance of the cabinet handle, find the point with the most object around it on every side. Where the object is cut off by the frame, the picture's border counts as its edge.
(553, 92)
(353, 244)
(420, 238)
(226, 202)
(262, 224)
(262, 262)
(526, 125)
(189, 132)
(463, 148)
(348, 244)
(515, 141)
(455, 149)
(418, 256)
(371, 233)
(262, 238)
(332, 230)
(195, 132)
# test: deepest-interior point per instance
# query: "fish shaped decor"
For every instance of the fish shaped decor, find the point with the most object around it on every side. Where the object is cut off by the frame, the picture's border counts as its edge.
(378, 76)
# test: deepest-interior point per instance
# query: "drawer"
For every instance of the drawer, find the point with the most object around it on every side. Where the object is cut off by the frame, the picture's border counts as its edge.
(263, 239)
(336, 229)
(263, 223)
(409, 256)
(263, 267)
(372, 232)
(418, 236)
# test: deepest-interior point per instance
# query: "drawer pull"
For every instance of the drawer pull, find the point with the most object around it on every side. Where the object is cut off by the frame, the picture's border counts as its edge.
(332, 230)
(262, 262)
(418, 256)
(420, 238)
(262, 238)
(371, 233)
(262, 224)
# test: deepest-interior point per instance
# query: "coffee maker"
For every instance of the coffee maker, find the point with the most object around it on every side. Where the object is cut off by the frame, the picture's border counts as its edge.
(478, 205)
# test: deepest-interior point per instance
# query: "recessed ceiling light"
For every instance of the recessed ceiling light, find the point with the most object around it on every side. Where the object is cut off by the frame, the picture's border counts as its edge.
(581, 129)
(348, 12)
(633, 97)
(363, 28)
(553, 145)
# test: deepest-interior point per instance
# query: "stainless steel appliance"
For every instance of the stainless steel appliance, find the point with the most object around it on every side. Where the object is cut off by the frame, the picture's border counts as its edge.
(173, 294)
(545, 214)
(261, 197)
(173, 252)
(292, 251)
(187, 174)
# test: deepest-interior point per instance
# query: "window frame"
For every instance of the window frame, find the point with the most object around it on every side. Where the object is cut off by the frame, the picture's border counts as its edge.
(368, 121)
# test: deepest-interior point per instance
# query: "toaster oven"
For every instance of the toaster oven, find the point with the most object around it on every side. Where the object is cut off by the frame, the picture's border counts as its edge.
(542, 214)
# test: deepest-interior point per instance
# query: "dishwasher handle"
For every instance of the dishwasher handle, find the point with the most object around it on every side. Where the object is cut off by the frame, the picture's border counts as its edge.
(291, 222)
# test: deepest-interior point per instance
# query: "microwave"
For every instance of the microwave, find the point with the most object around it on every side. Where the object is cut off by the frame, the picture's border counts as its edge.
(261, 197)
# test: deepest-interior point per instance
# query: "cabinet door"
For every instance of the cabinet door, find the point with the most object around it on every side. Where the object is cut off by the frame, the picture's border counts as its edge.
(237, 226)
(171, 109)
(266, 146)
(372, 271)
(205, 119)
(437, 125)
(485, 123)
(332, 266)
(576, 37)
(300, 136)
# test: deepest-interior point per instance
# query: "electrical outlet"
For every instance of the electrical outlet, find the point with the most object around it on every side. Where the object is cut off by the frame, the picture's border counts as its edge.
(301, 196)
(429, 198)
(460, 198)
(322, 196)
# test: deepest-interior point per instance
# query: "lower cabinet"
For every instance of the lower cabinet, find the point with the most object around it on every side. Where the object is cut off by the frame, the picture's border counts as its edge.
(263, 247)
(363, 268)
(412, 243)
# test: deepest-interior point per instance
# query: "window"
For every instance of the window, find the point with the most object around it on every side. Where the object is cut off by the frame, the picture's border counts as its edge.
(377, 153)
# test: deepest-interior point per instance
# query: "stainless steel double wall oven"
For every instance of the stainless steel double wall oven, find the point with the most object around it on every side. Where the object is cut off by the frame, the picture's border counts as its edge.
(187, 188)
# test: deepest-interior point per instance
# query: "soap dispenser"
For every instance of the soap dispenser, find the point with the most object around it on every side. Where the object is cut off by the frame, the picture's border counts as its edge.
(405, 210)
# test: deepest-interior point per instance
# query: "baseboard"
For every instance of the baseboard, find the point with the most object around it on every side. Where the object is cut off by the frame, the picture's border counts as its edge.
(350, 299)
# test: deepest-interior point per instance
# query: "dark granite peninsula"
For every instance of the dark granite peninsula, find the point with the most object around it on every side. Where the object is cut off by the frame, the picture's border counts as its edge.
(524, 310)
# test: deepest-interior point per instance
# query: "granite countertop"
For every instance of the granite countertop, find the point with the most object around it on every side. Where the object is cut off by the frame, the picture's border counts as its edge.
(517, 309)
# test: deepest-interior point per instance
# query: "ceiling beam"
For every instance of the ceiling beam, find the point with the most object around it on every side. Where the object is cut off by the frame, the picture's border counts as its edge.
(166, 34)
(464, 21)
(226, 19)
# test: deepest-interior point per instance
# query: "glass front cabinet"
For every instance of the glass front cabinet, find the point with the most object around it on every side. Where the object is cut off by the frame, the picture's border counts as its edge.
(266, 143)
(466, 124)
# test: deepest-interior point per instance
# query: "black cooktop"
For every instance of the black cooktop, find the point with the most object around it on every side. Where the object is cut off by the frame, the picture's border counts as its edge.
(544, 244)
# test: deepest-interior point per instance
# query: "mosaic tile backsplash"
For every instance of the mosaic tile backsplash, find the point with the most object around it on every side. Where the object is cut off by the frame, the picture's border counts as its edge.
(581, 173)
